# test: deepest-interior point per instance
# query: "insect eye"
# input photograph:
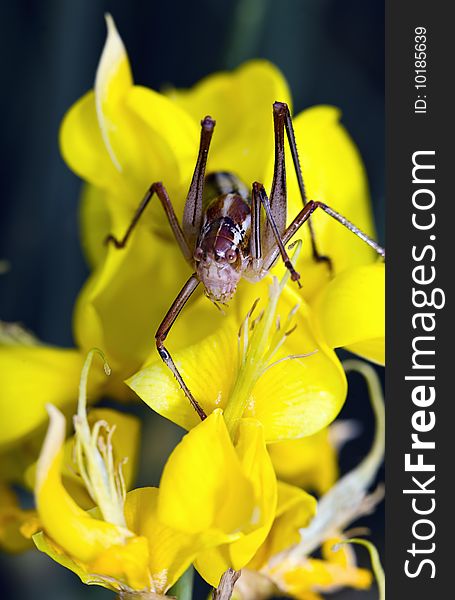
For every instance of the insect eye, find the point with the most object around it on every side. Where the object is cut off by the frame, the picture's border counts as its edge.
(231, 256)
(198, 254)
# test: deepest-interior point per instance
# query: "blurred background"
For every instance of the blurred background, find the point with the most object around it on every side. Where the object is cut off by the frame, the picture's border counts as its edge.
(331, 52)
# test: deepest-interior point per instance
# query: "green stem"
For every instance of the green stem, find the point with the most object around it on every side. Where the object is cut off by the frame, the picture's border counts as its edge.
(245, 31)
(183, 589)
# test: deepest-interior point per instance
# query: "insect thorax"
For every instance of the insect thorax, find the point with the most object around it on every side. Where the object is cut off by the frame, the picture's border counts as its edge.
(222, 248)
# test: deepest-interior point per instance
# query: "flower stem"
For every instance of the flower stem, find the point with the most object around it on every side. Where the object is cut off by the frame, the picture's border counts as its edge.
(245, 31)
(183, 589)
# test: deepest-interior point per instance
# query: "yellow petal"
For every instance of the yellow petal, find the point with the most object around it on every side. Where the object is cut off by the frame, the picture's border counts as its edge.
(94, 549)
(114, 569)
(324, 576)
(119, 308)
(241, 103)
(257, 466)
(203, 485)
(80, 535)
(316, 575)
(170, 551)
(351, 311)
(113, 80)
(46, 545)
(298, 397)
(148, 137)
(32, 376)
(343, 555)
(198, 364)
(127, 562)
(173, 138)
(125, 442)
(121, 137)
(95, 223)
(292, 399)
(333, 173)
(295, 508)
(310, 463)
(82, 145)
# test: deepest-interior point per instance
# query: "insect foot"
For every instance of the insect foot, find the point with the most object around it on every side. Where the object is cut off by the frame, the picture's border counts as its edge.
(117, 243)
(295, 276)
(280, 108)
(208, 123)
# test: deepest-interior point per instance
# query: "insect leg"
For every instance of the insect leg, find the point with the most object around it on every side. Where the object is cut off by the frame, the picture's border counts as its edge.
(278, 193)
(304, 215)
(192, 214)
(163, 331)
(255, 241)
(158, 189)
(282, 119)
(259, 196)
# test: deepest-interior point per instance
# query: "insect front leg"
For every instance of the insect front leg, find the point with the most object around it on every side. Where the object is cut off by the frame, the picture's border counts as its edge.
(282, 120)
(303, 217)
(192, 214)
(158, 189)
(162, 332)
(193, 206)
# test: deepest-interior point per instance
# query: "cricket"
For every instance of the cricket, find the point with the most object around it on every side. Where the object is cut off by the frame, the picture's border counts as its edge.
(227, 234)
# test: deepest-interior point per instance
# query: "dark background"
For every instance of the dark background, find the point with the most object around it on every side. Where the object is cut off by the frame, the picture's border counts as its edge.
(331, 51)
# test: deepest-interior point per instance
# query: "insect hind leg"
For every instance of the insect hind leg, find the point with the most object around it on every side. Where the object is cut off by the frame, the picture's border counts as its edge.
(283, 121)
(259, 197)
(303, 217)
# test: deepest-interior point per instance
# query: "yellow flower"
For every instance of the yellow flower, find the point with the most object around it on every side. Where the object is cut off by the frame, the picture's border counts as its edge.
(249, 511)
(294, 509)
(144, 540)
(288, 568)
(32, 374)
(125, 443)
(333, 571)
(292, 384)
(122, 137)
(18, 467)
(304, 580)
